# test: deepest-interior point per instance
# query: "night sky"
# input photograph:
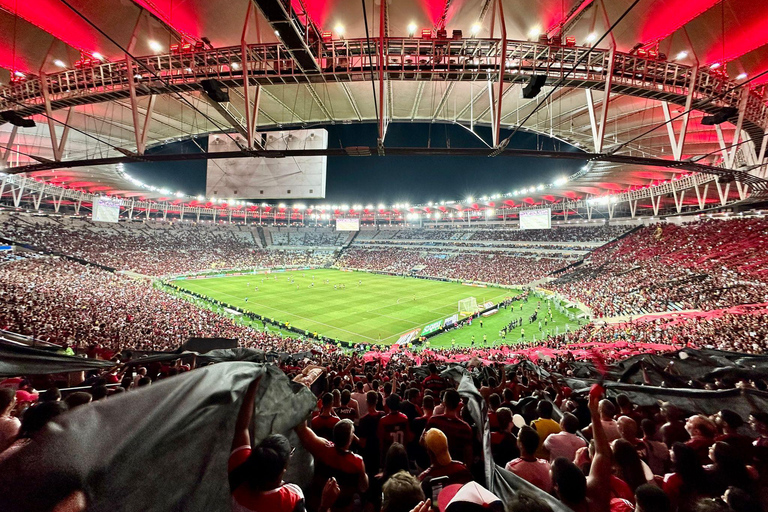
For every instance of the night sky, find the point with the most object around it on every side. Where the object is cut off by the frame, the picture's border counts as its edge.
(391, 179)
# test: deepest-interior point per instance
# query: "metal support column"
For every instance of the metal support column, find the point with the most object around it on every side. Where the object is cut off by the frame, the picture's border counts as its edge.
(598, 130)
(502, 70)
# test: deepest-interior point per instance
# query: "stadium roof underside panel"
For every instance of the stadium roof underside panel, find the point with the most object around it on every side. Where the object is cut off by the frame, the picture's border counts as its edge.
(105, 81)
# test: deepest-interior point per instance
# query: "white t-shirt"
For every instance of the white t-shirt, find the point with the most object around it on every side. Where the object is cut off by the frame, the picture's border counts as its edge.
(362, 405)
(563, 444)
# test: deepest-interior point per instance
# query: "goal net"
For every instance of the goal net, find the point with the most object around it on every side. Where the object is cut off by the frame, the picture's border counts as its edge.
(468, 306)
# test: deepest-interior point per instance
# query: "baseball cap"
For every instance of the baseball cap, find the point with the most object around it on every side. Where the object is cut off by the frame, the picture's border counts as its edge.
(470, 497)
(437, 443)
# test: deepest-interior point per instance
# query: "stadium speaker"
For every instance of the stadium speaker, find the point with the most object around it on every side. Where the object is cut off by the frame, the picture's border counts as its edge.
(720, 116)
(534, 85)
(10, 116)
(215, 90)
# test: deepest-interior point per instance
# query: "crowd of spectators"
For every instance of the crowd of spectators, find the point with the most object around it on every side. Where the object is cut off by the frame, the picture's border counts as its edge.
(307, 237)
(385, 436)
(603, 233)
(708, 264)
(153, 248)
(95, 312)
(390, 437)
(489, 267)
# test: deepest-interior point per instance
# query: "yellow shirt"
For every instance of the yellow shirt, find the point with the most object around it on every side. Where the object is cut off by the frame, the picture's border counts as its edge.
(544, 427)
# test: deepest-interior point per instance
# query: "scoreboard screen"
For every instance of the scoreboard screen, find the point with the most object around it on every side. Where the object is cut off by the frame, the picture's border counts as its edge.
(347, 224)
(540, 218)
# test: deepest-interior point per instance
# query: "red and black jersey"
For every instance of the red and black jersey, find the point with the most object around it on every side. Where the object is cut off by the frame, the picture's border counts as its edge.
(435, 383)
(323, 425)
(286, 498)
(458, 432)
(346, 412)
(393, 428)
(456, 472)
(368, 433)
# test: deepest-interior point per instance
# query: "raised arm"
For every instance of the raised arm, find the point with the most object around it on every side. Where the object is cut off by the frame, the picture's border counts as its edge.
(599, 479)
(242, 435)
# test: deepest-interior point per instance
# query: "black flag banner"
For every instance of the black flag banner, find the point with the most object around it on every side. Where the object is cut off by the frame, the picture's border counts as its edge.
(19, 360)
(158, 448)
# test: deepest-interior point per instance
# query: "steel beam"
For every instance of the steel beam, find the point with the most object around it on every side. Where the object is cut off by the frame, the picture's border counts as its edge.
(8, 147)
(678, 142)
(598, 130)
(502, 69)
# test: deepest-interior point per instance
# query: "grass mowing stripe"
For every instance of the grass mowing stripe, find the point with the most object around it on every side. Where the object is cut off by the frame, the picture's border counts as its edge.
(379, 310)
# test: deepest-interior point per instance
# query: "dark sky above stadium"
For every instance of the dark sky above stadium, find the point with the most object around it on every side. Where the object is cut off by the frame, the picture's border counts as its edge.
(391, 179)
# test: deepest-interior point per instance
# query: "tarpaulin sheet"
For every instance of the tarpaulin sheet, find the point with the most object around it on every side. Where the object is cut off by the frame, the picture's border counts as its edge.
(500, 482)
(203, 345)
(17, 360)
(158, 448)
(694, 401)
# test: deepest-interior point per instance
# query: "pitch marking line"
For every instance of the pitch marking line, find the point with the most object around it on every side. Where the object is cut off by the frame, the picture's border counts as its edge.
(295, 315)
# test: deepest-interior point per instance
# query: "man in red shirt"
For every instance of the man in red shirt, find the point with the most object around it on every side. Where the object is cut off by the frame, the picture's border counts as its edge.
(458, 431)
(324, 422)
(334, 460)
(368, 431)
(441, 463)
(347, 411)
(434, 382)
(393, 427)
(256, 475)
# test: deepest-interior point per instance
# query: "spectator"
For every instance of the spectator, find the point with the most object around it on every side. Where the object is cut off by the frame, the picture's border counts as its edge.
(527, 466)
(9, 425)
(565, 443)
(688, 481)
(401, 493)
(441, 463)
(334, 459)
(650, 498)
(393, 427)
(324, 422)
(544, 426)
(702, 431)
(657, 452)
(77, 399)
(458, 431)
(503, 442)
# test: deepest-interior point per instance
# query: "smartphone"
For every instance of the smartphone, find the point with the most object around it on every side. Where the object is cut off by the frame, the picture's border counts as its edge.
(437, 485)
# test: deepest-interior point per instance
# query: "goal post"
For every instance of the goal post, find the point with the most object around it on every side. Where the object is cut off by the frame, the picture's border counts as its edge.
(467, 306)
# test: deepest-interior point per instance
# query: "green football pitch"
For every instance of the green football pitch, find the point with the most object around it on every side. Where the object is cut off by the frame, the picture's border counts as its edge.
(362, 307)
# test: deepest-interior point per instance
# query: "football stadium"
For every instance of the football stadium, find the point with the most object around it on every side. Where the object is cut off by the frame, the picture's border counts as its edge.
(384, 256)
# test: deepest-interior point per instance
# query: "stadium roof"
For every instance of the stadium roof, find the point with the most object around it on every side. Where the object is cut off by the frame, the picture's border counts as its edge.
(723, 44)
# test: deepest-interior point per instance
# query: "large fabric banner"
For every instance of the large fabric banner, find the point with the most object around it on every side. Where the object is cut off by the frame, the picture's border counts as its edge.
(158, 448)
(18, 360)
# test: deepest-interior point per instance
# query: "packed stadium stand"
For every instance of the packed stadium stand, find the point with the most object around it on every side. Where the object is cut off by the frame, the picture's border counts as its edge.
(189, 323)
(705, 264)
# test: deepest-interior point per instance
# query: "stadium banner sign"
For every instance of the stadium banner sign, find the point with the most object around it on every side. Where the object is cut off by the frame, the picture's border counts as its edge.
(407, 337)
(433, 327)
(348, 224)
(451, 321)
(5, 248)
(488, 304)
(106, 209)
(476, 285)
(491, 312)
(539, 218)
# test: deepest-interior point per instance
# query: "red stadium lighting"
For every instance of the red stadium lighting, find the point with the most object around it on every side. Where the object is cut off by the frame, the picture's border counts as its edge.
(642, 53)
(426, 33)
(327, 36)
(570, 41)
